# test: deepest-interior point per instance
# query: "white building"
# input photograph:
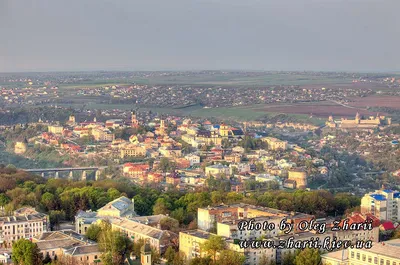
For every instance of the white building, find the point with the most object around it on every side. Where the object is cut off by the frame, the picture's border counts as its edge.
(384, 204)
(193, 159)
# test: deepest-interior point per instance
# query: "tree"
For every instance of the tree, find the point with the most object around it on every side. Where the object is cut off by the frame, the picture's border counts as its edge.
(288, 259)
(169, 224)
(213, 245)
(230, 257)
(114, 246)
(4, 200)
(179, 259)
(201, 261)
(93, 232)
(308, 256)
(55, 218)
(161, 206)
(26, 253)
(264, 260)
(169, 255)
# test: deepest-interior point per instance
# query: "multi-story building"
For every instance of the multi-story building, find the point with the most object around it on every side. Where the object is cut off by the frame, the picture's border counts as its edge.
(383, 253)
(25, 223)
(207, 218)
(103, 135)
(157, 238)
(66, 245)
(133, 150)
(384, 204)
(275, 144)
(56, 129)
(193, 159)
(299, 176)
(121, 207)
(217, 170)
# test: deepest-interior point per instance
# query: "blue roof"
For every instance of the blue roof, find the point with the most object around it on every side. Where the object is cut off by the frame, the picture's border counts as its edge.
(396, 195)
(388, 191)
(216, 126)
(378, 197)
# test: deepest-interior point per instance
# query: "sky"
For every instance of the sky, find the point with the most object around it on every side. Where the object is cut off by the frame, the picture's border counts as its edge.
(79, 35)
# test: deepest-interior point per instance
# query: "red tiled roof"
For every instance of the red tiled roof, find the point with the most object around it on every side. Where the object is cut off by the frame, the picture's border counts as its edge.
(388, 226)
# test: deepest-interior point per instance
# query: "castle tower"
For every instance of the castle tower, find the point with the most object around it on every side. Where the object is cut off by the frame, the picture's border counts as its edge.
(134, 121)
(145, 254)
(357, 120)
(71, 119)
(162, 126)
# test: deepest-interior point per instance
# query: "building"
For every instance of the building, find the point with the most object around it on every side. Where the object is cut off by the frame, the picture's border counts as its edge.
(298, 175)
(384, 204)
(56, 129)
(103, 135)
(159, 239)
(275, 144)
(359, 122)
(134, 121)
(121, 207)
(69, 246)
(145, 254)
(25, 223)
(217, 170)
(383, 253)
(208, 217)
(190, 244)
(193, 159)
(133, 150)
(20, 147)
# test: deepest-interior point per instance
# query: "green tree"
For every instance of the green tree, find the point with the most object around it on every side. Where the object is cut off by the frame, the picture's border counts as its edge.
(288, 259)
(169, 255)
(114, 246)
(4, 199)
(24, 252)
(230, 257)
(308, 256)
(169, 224)
(93, 232)
(56, 217)
(201, 261)
(161, 206)
(179, 259)
(212, 246)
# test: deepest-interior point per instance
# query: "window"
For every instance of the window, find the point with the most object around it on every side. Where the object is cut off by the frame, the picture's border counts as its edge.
(375, 260)
(369, 259)
(382, 262)
(352, 254)
(363, 257)
(358, 256)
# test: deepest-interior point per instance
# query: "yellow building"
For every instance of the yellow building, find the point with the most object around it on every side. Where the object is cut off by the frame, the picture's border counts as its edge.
(383, 253)
(55, 129)
(20, 147)
(359, 122)
(275, 144)
(159, 239)
(132, 150)
(101, 135)
(299, 176)
(190, 244)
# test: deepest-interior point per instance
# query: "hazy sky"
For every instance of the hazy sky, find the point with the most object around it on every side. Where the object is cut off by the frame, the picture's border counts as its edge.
(56, 35)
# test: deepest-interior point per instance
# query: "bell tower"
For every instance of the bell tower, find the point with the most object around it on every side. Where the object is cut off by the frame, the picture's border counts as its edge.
(145, 254)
